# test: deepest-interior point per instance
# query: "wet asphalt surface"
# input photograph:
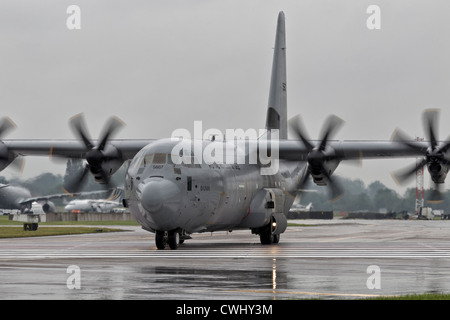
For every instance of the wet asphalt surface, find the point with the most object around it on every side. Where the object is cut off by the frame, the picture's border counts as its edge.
(329, 259)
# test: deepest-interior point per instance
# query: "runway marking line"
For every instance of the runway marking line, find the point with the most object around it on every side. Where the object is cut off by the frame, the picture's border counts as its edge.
(311, 252)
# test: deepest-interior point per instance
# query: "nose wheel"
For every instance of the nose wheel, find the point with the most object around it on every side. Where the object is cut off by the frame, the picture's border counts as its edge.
(171, 238)
(161, 239)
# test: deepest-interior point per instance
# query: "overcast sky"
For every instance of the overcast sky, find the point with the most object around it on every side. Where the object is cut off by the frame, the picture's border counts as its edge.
(161, 65)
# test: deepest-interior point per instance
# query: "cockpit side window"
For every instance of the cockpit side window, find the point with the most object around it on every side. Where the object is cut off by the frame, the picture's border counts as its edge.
(148, 159)
(190, 162)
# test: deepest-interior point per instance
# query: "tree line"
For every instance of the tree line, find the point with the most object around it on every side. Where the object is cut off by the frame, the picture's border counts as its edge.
(373, 197)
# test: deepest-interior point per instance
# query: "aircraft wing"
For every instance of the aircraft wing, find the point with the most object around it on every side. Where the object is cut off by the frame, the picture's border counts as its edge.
(352, 150)
(322, 156)
(69, 148)
(288, 149)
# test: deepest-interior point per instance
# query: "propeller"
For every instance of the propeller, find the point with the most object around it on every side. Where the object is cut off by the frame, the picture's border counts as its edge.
(96, 155)
(6, 125)
(320, 157)
(434, 156)
(6, 158)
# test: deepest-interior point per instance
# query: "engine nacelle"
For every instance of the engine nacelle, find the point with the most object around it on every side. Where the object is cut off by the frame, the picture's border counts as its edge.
(320, 178)
(48, 207)
(438, 171)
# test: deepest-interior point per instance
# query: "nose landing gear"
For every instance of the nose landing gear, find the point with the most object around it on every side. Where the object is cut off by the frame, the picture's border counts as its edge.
(172, 238)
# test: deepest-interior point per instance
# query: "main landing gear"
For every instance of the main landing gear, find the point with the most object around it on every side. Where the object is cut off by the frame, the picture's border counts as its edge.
(172, 238)
(268, 233)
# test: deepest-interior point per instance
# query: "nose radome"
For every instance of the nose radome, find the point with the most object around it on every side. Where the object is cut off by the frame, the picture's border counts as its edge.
(159, 192)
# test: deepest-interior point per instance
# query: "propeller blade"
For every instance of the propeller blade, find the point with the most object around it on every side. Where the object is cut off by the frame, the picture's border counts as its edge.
(18, 164)
(403, 175)
(335, 187)
(297, 126)
(436, 195)
(399, 136)
(6, 125)
(331, 126)
(75, 184)
(304, 179)
(445, 146)
(430, 123)
(79, 128)
(112, 126)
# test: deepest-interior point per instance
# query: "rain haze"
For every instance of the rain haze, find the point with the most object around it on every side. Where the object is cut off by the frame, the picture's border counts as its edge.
(161, 65)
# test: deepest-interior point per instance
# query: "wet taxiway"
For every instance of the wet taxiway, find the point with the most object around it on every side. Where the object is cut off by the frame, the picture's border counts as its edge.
(329, 259)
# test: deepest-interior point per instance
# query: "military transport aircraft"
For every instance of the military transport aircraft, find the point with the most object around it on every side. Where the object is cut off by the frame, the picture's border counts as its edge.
(173, 191)
(19, 198)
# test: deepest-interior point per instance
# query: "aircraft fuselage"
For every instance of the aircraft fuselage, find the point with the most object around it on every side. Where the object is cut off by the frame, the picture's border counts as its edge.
(10, 197)
(202, 197)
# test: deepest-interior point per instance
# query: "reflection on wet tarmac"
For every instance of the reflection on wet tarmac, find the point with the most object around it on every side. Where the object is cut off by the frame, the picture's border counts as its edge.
(221, 278)
(328, 261)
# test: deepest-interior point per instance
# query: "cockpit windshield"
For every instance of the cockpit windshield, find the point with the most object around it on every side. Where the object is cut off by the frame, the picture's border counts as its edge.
(161, 159)
(154, 158)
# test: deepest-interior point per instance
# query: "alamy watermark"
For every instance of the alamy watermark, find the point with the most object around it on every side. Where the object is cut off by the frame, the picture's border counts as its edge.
(73, 21)
(374, 280)
(74, 280)
(373, 22)
(236, 146)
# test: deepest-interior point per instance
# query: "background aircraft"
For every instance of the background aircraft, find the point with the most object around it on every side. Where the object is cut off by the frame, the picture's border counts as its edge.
(174, 200)
(97, 205)
(11, 198)
(19, 198)
(297, 206)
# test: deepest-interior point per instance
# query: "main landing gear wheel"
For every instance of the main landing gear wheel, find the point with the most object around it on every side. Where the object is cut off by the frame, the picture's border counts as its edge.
(267, 233)
(172, 238)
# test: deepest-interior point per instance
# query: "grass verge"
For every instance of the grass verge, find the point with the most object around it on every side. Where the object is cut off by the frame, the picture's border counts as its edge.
(4, 221)
(18, 232)
(424, 296)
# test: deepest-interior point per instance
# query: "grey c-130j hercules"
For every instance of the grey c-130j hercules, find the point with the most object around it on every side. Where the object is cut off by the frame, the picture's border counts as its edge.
(173, 193)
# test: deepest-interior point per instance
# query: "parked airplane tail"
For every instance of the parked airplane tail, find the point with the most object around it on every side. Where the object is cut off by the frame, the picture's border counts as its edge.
(116, 194)
(277, 107)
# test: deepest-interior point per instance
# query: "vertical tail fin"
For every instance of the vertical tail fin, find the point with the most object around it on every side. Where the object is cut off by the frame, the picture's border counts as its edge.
(277, 107)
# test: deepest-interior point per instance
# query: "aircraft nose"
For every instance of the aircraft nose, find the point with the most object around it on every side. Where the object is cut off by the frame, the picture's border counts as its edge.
(161, 198)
